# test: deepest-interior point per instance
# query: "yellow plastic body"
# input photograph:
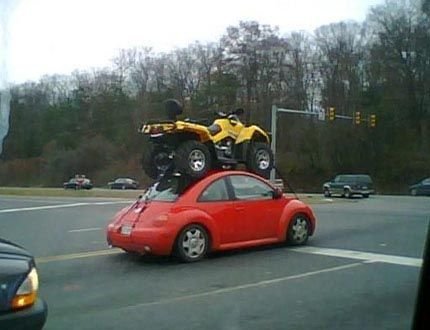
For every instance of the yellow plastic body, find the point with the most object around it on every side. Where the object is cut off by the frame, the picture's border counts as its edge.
(229, 128)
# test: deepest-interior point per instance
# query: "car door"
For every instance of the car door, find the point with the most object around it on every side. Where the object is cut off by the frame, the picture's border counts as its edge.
(261, 211)
(337, 185)
(217, 202)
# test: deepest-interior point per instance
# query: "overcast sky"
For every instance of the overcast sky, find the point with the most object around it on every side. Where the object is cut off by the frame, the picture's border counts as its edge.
(59, 36)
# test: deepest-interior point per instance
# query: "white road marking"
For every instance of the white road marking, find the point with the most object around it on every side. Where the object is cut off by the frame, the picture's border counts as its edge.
(48, 207)
(365, 256)
(244, 286)
(83, 229)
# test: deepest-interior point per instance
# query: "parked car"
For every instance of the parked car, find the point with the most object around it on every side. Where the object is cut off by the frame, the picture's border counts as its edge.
(123, 183)
(420, 188)
(224, 210)
(20, 305)
(78, 183)
(347, 185)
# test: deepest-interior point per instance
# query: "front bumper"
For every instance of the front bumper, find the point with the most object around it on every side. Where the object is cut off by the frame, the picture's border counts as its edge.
(156, 241)
(30, 318)
(361, 192)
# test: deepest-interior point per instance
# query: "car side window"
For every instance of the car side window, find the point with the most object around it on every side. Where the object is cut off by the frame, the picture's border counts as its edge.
(216, 191)
(426, 181)
(248, 188)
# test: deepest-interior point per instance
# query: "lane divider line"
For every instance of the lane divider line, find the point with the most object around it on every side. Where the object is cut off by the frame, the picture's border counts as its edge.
(72, 256)
(364, 256)
(83, 230)
(48, 207)
(243, 287)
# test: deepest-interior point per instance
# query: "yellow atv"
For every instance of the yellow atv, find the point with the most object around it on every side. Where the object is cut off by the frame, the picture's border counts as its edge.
(192, 148)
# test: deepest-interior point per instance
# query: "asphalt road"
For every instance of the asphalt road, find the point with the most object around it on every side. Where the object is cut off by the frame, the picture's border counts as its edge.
(359, 271)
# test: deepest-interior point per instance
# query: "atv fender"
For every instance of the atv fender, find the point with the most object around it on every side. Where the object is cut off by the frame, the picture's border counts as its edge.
(251, 132)
(197, 129)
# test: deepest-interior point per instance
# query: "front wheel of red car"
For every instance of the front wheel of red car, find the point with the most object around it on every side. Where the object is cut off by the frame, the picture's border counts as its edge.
(192, 243)
(298, 230)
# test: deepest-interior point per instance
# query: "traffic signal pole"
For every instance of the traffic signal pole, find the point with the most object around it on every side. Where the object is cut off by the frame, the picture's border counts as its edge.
(331, 114)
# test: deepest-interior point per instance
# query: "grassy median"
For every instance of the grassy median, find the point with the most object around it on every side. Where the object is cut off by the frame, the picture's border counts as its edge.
(59, 192)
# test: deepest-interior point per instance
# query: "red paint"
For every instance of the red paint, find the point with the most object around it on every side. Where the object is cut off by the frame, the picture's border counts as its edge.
(230, 224)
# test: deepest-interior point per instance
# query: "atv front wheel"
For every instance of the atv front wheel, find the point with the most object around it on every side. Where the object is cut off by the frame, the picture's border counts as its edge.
(155, 161)
(193, 158)
(260, 159)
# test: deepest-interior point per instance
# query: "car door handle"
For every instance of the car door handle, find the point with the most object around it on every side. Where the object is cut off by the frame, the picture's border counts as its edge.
(239, 208)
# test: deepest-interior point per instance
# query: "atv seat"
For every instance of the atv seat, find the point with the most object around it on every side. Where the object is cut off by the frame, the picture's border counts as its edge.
(203, 121)
(159, 121)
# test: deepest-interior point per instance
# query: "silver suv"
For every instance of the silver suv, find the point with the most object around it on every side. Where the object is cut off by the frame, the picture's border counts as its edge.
(347, 185)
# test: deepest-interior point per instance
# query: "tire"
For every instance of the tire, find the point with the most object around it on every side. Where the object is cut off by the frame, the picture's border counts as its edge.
(155, 161)
(327, 193)
(196, 236)
(413, 192)
(193, 159)
(298, 230)
(259, 159)
(347, 193)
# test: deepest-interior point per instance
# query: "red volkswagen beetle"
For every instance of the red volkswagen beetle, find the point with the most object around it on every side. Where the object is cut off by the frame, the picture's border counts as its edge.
(224, 210)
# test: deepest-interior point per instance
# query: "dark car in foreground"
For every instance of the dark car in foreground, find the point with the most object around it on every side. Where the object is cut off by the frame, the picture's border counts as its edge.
(420, 188)
(78, 183)
(20, 305)
(224, 210)
(123, 183)
(348, 185)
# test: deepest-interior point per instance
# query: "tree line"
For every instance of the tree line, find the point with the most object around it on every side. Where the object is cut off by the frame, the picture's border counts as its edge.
(87, 122)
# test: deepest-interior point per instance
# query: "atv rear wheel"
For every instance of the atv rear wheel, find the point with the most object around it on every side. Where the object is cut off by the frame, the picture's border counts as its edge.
(155, 161)
(260, 159)
(193, 158)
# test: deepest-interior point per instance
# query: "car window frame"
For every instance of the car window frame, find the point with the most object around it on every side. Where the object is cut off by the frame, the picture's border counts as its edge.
(272, 189)
(230, 196)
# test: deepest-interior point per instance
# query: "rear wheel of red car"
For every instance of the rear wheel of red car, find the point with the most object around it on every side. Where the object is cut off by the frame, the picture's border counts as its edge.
(260, 159)
(193, 158)
(298, 230)
(192, 243)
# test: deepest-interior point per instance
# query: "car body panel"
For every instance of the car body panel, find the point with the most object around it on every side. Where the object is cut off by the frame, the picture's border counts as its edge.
(356, 184)
(231, 223)
(76, 183)
(15, 264)
(421, 188)
(123, 183)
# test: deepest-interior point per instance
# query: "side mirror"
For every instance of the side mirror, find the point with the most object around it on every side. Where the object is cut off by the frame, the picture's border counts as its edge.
(277, 193)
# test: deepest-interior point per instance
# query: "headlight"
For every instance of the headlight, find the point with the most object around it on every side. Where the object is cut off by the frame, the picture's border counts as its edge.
(27, 291)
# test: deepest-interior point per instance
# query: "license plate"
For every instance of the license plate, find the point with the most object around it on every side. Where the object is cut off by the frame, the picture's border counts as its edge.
(126, 229)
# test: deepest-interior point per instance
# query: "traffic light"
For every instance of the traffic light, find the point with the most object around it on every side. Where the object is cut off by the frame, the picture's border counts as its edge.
(331, 113)
(357, 118)
(372, 120)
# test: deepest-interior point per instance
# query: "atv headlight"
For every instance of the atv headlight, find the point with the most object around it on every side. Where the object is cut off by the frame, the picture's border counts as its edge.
(27, 292)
